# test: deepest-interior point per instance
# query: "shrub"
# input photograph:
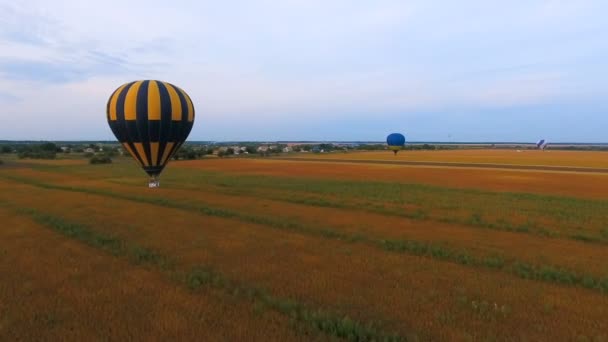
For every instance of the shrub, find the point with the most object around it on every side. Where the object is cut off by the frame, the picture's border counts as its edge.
(100, 160)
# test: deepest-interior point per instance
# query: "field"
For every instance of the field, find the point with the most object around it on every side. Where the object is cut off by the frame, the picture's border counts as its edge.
(310, 247)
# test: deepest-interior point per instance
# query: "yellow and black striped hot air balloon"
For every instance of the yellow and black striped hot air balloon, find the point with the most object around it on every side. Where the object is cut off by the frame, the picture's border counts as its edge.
(151, 119)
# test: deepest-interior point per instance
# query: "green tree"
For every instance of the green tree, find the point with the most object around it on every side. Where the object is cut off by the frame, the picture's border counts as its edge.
(49, 146)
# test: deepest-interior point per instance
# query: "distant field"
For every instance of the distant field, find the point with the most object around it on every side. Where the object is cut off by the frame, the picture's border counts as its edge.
(264, 249)
(488, 156)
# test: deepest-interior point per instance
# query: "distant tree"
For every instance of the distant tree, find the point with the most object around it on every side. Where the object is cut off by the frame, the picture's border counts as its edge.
(326, 147)
(42, 151)
(250, 149)
(221, 153)
(49, 146)
(374, 147)
(186, 152)
(111, 152)
(229, 151)
(1, 162)
(6, 149)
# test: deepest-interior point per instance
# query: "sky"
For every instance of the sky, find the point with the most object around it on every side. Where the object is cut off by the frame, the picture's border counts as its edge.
(261, 70)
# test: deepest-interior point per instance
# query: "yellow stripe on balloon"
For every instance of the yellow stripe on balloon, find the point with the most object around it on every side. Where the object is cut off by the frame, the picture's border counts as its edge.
(154, 153)
(131, 101)
(153, 101)
(140, 150)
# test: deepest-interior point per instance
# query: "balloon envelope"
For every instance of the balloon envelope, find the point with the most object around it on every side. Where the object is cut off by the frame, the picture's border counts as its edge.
(395, 141)
(151, 119)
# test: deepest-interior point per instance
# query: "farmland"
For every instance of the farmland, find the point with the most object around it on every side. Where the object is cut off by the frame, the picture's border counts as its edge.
(302, 248)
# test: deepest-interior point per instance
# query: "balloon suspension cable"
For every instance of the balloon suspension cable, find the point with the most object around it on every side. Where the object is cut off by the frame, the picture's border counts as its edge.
(154, 182)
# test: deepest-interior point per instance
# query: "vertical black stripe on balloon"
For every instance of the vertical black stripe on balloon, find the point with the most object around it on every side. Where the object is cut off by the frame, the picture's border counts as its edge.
(183, 127)
(154, 125)
(174, 136)
(115, 129)
(165, 118)
(189, 124)
(141, 119)
(120, 113)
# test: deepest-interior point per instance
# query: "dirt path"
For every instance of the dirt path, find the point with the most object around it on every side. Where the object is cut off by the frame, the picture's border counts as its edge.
(574, 184)
(456, 164)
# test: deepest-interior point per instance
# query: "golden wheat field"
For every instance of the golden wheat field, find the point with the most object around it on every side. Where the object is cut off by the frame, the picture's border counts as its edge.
(308, 248)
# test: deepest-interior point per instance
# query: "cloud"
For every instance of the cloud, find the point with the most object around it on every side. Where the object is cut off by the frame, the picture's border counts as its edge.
(26, 25)
(8, 98)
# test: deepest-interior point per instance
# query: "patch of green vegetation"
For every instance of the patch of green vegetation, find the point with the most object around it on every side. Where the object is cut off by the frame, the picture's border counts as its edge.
(326, 322)
(75, 231)
(559, 275)
(587, 238)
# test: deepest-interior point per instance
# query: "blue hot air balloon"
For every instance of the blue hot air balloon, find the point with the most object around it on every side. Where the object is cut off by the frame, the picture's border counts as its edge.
(395, 142)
